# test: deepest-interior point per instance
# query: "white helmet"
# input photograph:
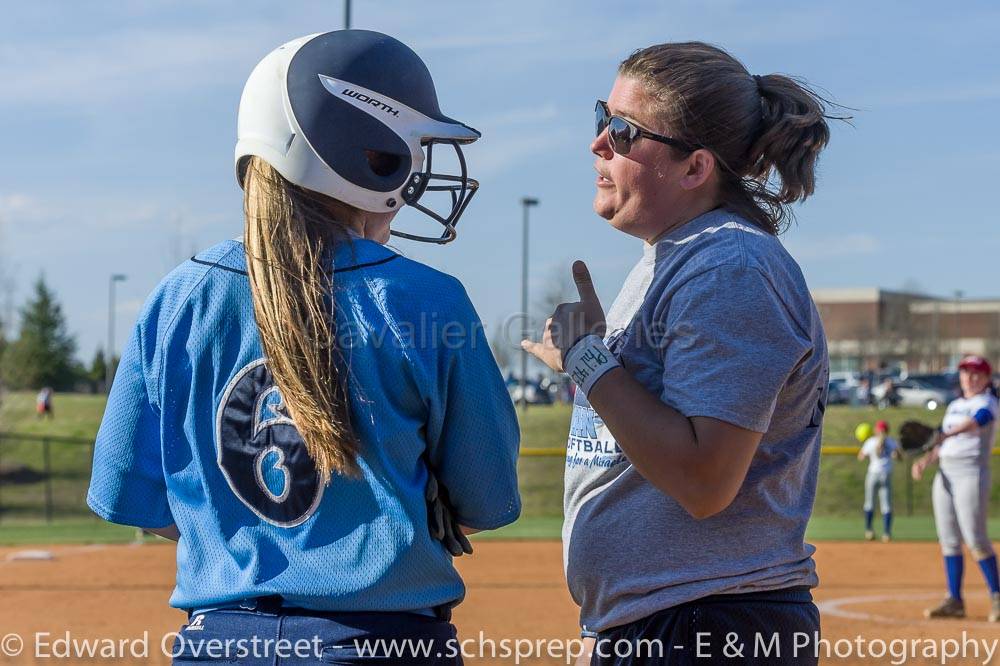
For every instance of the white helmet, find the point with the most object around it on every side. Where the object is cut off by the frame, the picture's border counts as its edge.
(349, 114)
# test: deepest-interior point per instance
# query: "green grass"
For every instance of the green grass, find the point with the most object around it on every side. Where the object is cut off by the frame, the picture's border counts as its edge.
(851, 528)
(527, 527)
(821, 528)
(76, 531)
(22, 462)
(840, 488)
(836, 512)
(544, 427)
(76, 415)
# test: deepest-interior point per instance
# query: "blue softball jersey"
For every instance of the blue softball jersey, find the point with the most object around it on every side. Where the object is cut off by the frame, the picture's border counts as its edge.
(196, 434)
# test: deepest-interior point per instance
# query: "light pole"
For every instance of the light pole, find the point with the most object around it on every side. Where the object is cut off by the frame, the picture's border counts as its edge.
(110, 355)
(958, 326)
(347, 14)
(936, 337)
(526, 203)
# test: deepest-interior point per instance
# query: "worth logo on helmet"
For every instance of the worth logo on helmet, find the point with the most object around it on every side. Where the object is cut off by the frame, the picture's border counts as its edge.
(370, 100)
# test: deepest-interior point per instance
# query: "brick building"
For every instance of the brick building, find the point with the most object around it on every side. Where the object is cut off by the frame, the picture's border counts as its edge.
(868, 328)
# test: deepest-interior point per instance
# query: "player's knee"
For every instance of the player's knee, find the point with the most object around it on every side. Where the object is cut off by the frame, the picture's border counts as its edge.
(951, 548)
(982, 551)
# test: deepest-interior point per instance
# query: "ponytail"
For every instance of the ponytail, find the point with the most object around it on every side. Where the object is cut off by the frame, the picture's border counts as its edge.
(880, 448)
(289, 238)
(793, 132)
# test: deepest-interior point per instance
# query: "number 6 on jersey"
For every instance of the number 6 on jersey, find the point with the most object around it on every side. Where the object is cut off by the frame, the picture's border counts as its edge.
(261, 454)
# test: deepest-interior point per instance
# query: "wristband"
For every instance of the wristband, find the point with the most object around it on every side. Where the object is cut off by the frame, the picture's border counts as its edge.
(587, 361)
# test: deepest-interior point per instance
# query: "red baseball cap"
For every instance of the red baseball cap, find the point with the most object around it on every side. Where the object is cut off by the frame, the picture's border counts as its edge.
(881, 426)
(976, 364)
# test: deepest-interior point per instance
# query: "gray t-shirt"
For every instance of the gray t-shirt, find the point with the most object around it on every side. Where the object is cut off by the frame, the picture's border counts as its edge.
(717, 321)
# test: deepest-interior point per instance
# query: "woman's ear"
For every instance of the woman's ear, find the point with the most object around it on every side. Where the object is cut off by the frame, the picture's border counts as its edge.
(700, 168)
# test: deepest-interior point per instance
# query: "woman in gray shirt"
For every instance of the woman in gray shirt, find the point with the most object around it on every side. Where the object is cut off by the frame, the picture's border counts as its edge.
(694, 446)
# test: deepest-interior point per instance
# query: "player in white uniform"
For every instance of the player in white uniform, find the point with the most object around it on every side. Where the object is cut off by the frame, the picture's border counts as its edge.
(962, 485)
(881, 450)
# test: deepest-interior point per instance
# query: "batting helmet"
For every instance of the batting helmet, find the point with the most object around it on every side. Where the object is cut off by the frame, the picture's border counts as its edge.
(350, 114)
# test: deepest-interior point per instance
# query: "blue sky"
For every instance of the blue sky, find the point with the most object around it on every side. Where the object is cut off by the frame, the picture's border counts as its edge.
(119, 123)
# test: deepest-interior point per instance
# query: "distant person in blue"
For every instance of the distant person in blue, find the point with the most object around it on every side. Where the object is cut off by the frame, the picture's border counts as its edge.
(693, 451)
(296, 408)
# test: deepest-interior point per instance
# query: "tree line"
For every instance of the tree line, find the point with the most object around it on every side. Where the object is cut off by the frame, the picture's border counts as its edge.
(43, 352)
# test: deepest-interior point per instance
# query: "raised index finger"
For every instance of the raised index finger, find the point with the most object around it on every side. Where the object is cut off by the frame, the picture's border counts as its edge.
(584, 283)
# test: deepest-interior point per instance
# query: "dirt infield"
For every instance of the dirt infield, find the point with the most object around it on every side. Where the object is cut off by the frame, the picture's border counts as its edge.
(516, 591)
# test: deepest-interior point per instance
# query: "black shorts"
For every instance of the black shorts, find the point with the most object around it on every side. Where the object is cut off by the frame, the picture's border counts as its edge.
(777, 627)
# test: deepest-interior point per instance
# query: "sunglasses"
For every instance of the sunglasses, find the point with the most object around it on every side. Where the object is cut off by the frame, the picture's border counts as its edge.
(623, 133)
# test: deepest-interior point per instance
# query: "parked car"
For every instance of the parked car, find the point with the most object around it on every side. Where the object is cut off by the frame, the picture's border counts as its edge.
(946, 381)
(849, 377)
(534, 394)
(915, 391)
(840, 392)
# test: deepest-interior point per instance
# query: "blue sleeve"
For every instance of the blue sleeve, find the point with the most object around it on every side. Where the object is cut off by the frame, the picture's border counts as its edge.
(472, 431)
(731, 346)
(127, 484)
(983, 416)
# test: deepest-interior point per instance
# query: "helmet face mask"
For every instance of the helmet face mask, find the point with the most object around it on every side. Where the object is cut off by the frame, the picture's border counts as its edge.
(353, 115)
(460, 187)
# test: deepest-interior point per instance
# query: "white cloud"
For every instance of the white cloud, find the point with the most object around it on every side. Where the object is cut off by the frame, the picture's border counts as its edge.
(100, 70)
(129, 309)
(520, 116)
(19, 205)
(934, 94)
(833, 247)
(102, 212)
(454, 41)
(102, 76)
(504, 151)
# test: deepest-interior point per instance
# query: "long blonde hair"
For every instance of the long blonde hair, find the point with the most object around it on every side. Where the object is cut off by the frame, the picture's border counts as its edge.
(289, 236)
